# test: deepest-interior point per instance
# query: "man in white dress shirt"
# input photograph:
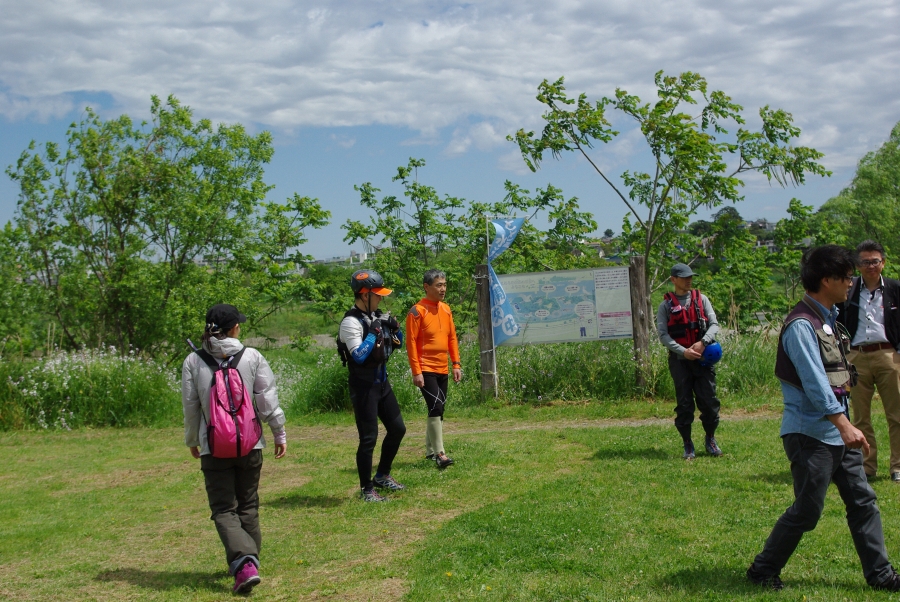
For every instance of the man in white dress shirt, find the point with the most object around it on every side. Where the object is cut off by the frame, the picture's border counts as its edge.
(871, 316)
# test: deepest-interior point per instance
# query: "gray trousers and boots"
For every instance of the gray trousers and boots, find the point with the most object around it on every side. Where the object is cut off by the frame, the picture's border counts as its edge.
(814, 465)
(232, 486)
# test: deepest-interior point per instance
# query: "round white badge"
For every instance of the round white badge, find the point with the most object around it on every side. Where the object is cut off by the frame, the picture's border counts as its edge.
(827, 329)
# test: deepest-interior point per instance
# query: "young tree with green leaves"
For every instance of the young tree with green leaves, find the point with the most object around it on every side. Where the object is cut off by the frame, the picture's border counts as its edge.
(696, 162)
(428, 230)
(870, 206)
(131, 231)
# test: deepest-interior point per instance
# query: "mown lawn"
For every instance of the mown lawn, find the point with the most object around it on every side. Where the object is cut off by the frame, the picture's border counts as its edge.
(538, 507)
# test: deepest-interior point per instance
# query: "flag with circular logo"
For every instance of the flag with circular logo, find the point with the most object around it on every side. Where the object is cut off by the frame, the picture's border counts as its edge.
(502, 320)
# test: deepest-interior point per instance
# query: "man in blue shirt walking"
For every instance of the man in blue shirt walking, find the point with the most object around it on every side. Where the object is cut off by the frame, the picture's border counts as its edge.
(818, 438)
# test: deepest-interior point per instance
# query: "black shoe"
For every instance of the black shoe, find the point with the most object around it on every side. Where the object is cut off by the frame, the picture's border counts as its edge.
(688, 450)
(712, 448)
(442, 460)
(767, 581)
(891, 584)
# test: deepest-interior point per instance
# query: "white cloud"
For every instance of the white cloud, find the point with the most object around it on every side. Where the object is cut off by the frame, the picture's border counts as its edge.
(470, 67)
(343, 141)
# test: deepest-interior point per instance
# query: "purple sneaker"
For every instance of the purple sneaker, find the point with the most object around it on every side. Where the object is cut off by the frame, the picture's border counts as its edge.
(246, 578)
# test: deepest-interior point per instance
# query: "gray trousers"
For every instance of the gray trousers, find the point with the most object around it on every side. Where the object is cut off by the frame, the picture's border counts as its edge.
(232, 486)
(813, 466)
(695, 387)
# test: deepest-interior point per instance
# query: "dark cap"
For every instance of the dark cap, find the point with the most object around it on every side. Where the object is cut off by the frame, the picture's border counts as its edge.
(682, 270)
(223, 317)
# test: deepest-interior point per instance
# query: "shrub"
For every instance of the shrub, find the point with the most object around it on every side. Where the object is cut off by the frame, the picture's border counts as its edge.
(88, 388)
(600, 371)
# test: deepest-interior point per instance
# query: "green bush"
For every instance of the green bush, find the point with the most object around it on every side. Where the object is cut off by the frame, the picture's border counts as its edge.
(88, 388)
(539, 374)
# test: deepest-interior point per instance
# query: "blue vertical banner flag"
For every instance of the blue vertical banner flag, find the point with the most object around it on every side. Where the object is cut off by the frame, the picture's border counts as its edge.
(502, 320)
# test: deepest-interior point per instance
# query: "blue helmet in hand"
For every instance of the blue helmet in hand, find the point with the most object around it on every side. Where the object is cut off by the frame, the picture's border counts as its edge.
(711, 355)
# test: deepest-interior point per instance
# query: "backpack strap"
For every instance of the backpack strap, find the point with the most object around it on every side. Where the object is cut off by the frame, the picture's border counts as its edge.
(212, 363)
(208, 359)
(697, 301)
(237, 357)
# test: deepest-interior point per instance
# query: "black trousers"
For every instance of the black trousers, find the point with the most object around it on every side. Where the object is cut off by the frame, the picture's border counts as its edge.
(374, 401)
(232, 486)
(695, 387)
(435, 393)
(814, 465)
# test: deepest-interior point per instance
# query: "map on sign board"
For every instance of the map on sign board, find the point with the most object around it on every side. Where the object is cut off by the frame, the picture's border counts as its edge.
(569, 306)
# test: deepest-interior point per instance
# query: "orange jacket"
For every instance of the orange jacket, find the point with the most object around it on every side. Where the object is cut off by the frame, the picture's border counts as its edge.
(430, 337)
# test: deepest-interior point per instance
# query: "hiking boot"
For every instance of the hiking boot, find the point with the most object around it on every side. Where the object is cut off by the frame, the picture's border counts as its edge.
(891, 584)
(768, 581)
(688, 450)
(370, 495)
(388, 482)
(443, 460)
(712, 448)
(246, 578)
(429, 457)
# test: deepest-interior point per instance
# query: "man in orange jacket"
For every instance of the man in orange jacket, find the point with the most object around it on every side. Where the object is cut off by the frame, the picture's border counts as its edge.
(430, 338)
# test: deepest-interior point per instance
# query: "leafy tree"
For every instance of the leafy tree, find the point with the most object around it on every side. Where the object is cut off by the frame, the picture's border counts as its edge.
(608, 233)
(690, 163)
(870, 206)
(134, 230)
(794, 234)
(736, 279)
(427, 230)
(407, 236)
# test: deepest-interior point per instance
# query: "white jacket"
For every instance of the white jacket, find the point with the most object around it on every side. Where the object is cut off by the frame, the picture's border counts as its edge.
(196, 378)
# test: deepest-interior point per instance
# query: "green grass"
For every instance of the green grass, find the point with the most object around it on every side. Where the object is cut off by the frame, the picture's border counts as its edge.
(543, 504)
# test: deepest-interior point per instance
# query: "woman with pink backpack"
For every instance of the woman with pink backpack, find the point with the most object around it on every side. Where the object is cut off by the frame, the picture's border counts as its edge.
(227, 392)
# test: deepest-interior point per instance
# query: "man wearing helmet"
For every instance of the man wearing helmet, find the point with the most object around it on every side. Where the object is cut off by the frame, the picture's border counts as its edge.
(367, 338)
(687, 326)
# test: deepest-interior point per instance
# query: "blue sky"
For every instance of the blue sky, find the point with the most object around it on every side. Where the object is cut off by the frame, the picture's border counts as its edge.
(352, 89)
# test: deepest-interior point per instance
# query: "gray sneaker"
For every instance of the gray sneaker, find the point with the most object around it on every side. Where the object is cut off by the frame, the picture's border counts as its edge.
(370, 495)
(388, 482)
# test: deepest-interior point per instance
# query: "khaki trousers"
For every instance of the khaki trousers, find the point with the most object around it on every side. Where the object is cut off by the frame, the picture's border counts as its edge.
(877, 370)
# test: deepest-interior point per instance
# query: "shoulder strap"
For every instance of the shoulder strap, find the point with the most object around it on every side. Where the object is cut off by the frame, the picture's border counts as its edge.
(237, 357)
(815, 308)
(697, 302)
(208, 359)
(672, 299)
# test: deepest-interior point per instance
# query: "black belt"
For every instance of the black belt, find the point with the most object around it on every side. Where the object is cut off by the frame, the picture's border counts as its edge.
(871, 348)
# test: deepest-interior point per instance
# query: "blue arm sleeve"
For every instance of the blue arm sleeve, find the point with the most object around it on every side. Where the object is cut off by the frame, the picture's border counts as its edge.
(360, 354)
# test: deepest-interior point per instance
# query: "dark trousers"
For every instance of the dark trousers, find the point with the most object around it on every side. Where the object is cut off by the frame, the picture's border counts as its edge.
(695, 387)
(373, 401)
(435, 393)
(232, 486)
(813, 466)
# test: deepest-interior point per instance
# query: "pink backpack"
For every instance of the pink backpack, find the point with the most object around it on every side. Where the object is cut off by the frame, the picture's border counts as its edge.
(233, 428)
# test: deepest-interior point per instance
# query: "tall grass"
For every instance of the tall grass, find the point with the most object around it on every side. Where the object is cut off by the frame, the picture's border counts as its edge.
(88, 388)
(539, 374)
(106, 388)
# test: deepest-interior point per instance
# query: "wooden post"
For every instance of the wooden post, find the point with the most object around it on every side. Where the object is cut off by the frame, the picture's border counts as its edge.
(485, 332)
(640, 320)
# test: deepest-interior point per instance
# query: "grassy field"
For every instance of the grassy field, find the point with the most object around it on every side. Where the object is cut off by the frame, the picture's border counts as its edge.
(545, 503)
